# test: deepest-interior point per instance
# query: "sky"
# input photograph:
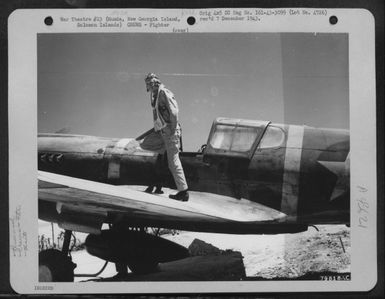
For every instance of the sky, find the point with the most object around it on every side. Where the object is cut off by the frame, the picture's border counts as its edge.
(93, 83)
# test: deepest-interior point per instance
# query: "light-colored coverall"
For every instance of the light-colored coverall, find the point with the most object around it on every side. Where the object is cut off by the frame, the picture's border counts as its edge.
(167, 134)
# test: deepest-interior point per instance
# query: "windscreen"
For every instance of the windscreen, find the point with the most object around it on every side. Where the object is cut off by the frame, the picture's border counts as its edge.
(234, 138)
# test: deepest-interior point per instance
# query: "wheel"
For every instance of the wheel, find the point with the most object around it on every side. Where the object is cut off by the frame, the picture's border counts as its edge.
(143, 267)
(55, 266)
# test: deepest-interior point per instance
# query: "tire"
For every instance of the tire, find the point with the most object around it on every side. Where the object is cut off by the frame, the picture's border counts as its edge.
(54, 266)
(143, 267)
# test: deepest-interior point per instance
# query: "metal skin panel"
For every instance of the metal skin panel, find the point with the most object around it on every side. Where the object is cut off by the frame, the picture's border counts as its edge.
(63, 143)
(318, 179)
(266, 172)
(94, 158)
(291, 171)
(74, 155)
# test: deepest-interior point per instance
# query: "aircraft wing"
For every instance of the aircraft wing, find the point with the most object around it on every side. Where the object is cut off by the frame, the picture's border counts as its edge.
(203, 212)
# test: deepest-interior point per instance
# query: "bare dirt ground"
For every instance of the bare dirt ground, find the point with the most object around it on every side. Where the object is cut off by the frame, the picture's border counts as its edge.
(285, 255)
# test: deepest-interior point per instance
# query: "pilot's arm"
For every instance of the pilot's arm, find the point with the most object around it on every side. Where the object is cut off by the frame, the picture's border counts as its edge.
(168, 107)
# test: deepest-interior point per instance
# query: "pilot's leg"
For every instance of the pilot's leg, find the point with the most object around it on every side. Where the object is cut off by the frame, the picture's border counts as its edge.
(172, 143)
(154, 142)
(157, 180)
(159, 173)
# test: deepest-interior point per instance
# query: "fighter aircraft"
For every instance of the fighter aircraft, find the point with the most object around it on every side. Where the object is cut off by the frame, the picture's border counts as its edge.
(251, 177)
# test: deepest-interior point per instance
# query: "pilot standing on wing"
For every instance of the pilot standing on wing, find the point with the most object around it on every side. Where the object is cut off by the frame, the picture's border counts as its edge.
(167, 133)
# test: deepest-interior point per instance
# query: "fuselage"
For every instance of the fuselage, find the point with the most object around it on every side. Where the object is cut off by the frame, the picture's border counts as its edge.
(299, 170)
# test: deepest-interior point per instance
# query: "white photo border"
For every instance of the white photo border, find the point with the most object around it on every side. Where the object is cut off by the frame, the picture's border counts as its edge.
(24, 25)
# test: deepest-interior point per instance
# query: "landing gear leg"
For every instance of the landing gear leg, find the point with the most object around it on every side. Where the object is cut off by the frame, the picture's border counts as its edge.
(66, 242)
(143, 266)
(121, 269)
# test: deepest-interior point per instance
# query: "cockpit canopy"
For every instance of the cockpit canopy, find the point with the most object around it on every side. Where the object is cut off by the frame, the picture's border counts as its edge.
(235, 137)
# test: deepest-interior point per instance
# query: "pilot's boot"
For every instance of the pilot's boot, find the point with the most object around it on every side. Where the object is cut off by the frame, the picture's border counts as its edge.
(181, 195)
(158, 189)
(149, 189)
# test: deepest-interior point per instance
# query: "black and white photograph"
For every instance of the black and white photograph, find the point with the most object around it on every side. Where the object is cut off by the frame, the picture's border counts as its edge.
(239, 133)
(193, 156)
